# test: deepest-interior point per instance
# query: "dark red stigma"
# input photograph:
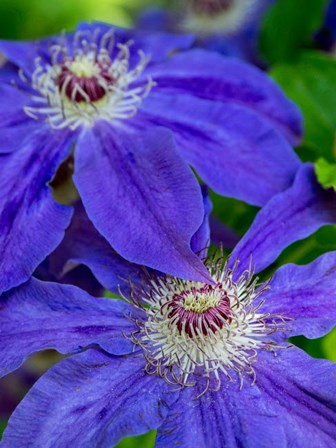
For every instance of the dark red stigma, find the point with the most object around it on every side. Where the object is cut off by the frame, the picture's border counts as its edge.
(192, 322)
(91, 86)
(211, 7)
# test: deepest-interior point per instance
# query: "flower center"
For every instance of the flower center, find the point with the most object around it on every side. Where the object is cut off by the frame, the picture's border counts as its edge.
(200, 310)
(218, 16)
(211, 7)
(86, 79)
(195, 332)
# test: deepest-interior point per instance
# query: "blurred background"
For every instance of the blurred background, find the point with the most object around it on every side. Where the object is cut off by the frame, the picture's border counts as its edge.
(293, 40)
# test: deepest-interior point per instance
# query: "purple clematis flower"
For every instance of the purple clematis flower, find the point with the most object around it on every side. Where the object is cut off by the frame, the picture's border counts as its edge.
(198, 362)
(118, 110)
(230, 27)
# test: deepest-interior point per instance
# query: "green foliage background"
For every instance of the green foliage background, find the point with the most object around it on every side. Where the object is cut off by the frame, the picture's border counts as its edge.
(307, 75)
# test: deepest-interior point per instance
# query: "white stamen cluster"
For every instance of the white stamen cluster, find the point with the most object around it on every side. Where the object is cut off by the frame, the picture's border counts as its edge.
(233, 15)
(194, 331)
(85, 81)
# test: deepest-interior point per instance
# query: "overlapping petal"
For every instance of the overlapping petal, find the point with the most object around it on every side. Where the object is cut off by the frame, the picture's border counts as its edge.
(32, 223)
(306, 294)
(288, 217)
(293, 400)
(83, 244)
(40, 315)
(229, 418)
(302, 393)
(233, 150)
(90, 400)
(211, 76)
(143, 198)
(15, 125)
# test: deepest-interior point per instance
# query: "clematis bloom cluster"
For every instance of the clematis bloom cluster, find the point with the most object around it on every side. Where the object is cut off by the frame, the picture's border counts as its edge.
(115, 107)
(104, 135)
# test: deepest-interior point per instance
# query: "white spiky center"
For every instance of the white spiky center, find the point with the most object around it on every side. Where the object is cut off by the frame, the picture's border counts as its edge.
(200, 303)
(196, 330)
(86, 81)
(84, 67)
(229, 20)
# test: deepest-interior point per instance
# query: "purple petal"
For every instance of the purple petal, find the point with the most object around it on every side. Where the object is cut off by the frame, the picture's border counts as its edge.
(83, 244)
(141, 197)
(302, 391)
(306, 294)
(22, 54)
(201, 239)
(221, 235)
(32, 223)
(38, 315)
(212, 76)
(234, 151)
(293, 401)
(89, 400)
(15, 125)
(228, 418)
(288, 217)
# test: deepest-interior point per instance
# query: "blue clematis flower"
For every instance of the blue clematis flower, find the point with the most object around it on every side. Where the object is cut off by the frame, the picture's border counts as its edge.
(197, 361)
(230, 27)
(132, 117)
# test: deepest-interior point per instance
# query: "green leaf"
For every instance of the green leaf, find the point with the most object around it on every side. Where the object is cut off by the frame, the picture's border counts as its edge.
(329, 344)
(110, 295)
(144, 441)
(326, 173)
(310, 82)
(3, 424)
(289, 26)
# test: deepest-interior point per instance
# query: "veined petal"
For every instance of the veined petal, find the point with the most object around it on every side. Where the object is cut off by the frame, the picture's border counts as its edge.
(293, 401)
(307, 294)
(212, 76)
(141, 197)
(234, 151)
(201, 239)
(15, 125)
(229, 418)
(32, 223)
(39, 315)
(288, 217)
(83, 244)
(302, 391)
(89, 400)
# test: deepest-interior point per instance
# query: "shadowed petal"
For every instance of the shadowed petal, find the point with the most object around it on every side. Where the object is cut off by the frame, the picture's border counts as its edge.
(32, 223)
(288, 217)
(141, 197)
(222, 235)
(201, 239)
(307, 294)
(83, 244)
(38, 315)
(212, 76)
(89, 400)
(293, 401)
(22, 54)
(234, 151)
